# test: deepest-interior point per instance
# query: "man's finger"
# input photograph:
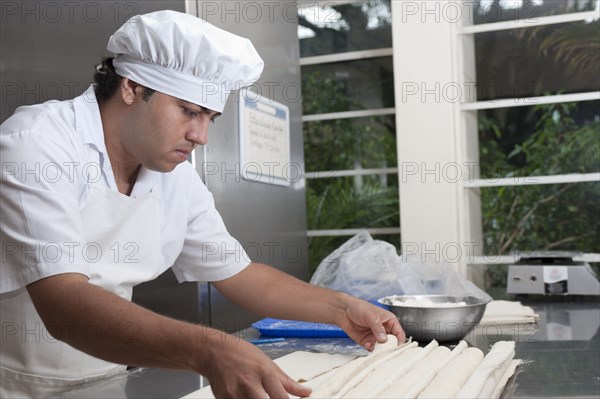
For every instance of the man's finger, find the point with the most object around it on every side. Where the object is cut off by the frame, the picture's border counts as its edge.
(378, 330)
(395, 328)
(295, 388)
(275, 388)
(399, 333)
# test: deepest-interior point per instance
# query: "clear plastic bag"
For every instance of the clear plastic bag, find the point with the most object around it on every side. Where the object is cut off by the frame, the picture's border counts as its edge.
(371, 269)
(363, 267)
(419, 278)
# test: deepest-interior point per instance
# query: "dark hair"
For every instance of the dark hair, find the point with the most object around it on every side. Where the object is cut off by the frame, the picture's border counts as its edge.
(107, 81)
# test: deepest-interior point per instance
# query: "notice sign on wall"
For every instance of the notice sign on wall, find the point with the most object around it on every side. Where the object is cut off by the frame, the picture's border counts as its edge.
(264, 140)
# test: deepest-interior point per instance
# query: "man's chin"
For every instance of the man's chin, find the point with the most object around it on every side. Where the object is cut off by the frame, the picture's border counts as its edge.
(164, 168)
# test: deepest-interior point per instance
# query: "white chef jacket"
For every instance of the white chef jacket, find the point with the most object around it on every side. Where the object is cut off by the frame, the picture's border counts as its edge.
(50, 154)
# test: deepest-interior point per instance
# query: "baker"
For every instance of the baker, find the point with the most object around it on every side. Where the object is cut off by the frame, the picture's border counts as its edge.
(97, 197)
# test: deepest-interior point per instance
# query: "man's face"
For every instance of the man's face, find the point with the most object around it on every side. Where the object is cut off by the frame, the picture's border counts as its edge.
(161, 131)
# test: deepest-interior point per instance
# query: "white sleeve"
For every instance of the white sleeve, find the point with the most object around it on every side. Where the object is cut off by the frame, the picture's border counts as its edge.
(209, 252)
(41, 226)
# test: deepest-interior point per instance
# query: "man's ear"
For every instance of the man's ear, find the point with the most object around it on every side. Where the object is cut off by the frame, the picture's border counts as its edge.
(129, 89)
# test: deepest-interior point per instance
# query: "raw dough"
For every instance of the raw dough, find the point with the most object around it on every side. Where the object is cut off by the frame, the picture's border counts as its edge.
(295, 364)
(428, 375)
(388, 372)
(487, 375)
(431, 373)
(381, 360)
(402, 387)
(402, 372)
(391, 343)
(356, 370)
(453, 376)
(333, 384)
(394, 368)
(301, 366)
(504, 379)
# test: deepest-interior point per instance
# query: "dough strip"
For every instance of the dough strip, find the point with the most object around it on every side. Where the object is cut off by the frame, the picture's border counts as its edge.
(333, 385)
(402, 386)
(431, 372)
(399, 365)
(512, 367)
(451, 378)
(368, 368)
(485, 378)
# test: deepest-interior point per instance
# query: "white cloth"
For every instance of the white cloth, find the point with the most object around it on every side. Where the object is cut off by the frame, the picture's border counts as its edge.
(183, 56)
(508, 312)
(46, 178)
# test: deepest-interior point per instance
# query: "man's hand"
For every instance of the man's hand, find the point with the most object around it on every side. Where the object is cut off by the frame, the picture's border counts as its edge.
(366, 323)
(237, 369)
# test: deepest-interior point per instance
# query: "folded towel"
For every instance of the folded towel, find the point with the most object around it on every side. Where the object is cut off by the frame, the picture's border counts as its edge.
(507, 312)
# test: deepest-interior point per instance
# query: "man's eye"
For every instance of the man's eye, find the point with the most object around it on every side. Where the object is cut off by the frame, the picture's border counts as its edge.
(190, 113)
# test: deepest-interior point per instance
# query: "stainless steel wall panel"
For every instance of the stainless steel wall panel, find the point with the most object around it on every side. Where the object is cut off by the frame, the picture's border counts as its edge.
(269, 220)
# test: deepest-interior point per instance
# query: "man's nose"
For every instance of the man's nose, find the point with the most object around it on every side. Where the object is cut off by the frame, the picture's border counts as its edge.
(199, 132)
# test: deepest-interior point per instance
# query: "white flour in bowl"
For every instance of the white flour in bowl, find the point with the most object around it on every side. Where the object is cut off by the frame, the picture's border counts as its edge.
(425, 303)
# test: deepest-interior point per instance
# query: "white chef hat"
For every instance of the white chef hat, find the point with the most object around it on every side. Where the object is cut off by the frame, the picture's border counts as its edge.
(183, 56)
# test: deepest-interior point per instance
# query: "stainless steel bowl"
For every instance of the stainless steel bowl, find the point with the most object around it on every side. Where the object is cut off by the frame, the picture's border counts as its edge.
(444, 324)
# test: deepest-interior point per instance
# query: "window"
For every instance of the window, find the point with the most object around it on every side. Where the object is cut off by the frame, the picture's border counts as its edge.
(537, 71)
(497, 106)
(348, 122)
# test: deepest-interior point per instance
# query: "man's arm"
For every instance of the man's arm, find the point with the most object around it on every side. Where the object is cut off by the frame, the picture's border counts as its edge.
(132, 335)
(269, 292)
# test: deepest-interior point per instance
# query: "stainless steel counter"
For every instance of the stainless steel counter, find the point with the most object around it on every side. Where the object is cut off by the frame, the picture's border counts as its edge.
(561, 354)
